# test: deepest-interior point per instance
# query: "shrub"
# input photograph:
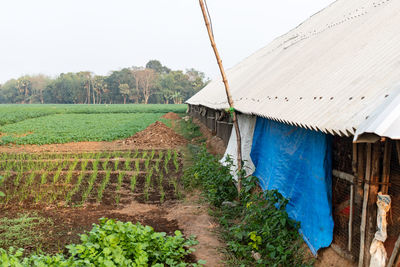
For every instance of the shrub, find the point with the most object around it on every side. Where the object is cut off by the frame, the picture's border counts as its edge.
(215, 179)
(255, 223)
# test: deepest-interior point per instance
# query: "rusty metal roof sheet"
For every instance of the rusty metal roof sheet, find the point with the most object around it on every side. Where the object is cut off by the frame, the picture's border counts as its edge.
(328, 74)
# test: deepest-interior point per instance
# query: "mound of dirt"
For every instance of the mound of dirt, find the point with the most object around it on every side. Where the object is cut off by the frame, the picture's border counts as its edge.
(156, 135)
(171, 116)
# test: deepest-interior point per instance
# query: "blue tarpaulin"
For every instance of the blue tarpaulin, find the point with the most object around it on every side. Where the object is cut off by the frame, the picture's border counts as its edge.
(297, 162)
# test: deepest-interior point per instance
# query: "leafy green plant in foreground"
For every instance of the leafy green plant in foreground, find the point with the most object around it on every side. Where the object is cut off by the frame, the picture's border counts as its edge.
(114, 243)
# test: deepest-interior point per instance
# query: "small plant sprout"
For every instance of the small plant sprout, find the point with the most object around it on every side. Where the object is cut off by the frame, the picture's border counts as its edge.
(144, 155)
(43, 178)
(116, 162)
(17, 180)
(127, 164)
(157, 166)
(103, 185)
(57, 174)
(160, 155)
(148, 184)
(75, 189)
(153, 152)
(162, 193)
(119, 185)
(105, 162)
(133, 182)
(146, 164)
(175, 161)
(89, 188)
(169, 154)
(135, 154)
(137, 165)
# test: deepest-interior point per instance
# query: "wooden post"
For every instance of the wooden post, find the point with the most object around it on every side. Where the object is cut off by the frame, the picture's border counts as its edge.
(398, 149)
(350, 238)
(227, 91)
(372, 197)
(361, 156)
(354, 167)
(387, 155)
(394, 253)
(364, 208)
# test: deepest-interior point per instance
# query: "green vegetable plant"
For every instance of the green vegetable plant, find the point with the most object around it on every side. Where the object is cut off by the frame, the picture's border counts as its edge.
(114, 243)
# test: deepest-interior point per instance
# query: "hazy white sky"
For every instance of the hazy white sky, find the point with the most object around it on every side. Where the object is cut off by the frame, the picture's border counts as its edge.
(54, 36)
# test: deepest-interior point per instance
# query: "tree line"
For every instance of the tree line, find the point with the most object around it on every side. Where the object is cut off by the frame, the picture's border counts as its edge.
(153, 83)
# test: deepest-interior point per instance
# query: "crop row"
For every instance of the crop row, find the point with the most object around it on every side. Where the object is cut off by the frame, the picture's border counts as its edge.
(85, 155)
(16, 113)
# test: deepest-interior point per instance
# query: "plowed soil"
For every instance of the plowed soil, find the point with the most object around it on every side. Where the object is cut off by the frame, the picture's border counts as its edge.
(157, 135)
(171, 116)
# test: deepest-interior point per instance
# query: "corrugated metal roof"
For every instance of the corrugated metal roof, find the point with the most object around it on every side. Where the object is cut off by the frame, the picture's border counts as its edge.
(384, 121)
(328, 74)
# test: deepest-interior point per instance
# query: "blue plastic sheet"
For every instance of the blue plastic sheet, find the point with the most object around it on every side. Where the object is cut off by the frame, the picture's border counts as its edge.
(297, 162)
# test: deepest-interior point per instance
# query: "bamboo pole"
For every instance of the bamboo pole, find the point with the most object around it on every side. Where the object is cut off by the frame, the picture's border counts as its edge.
(364, 207)
(227, 91)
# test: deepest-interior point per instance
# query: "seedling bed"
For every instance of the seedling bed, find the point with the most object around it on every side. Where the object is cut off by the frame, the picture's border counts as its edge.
(108, 178)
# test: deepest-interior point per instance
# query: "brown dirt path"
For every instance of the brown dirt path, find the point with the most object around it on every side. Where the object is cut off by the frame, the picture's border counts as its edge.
(192, 216)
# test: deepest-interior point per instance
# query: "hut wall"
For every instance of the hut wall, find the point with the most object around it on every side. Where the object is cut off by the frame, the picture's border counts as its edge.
(218, 122)
(342, 149)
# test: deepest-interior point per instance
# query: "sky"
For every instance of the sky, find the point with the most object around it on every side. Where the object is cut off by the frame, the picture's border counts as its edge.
(56, 36)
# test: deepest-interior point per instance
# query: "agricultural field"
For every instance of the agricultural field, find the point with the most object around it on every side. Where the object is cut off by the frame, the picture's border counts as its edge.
(48, 198)
(57, 124)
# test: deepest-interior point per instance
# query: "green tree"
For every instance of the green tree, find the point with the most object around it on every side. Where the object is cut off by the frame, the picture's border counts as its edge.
(125, 91)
